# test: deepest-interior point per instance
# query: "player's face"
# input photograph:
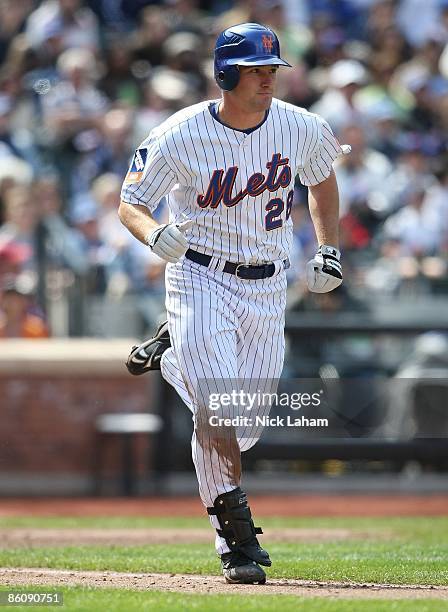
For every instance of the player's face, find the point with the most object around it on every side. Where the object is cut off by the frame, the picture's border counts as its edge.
(256, 87)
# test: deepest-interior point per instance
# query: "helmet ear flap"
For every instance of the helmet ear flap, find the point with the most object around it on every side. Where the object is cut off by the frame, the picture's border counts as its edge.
(228, 78)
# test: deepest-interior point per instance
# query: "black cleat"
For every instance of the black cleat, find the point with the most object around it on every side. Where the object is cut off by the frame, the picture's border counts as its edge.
(239, 569)
(146, 356)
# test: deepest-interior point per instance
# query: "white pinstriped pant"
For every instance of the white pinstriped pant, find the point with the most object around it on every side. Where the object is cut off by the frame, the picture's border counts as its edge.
(222, 328)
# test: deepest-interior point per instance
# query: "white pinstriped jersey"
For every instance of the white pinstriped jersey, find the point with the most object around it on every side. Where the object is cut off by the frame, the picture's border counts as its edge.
(237, 187)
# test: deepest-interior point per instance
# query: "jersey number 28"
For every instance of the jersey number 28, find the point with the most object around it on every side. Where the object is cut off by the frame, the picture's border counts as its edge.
(274, 209)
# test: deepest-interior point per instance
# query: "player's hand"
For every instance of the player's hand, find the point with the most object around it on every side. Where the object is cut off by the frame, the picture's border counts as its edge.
(324, 271)
(168, 241)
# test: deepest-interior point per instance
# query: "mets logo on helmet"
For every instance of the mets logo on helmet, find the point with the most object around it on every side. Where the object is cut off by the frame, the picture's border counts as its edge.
(267, 43)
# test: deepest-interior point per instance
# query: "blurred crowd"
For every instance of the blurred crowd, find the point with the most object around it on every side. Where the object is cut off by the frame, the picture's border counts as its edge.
(82, 83)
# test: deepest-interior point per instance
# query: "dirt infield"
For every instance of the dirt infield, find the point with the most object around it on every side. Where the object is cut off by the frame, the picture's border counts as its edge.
(192, 583)
(272, 505)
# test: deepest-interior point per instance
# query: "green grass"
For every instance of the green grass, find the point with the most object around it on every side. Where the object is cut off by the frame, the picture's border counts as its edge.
(119, 600)
(396, 551)
(403, 563)
(104, 522)
(427, 528)
(408, 550)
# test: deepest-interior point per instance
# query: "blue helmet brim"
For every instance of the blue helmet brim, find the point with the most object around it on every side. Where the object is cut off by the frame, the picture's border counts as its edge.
(256, 60)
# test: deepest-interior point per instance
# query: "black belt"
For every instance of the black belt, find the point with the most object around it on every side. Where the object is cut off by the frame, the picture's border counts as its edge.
(245, 271)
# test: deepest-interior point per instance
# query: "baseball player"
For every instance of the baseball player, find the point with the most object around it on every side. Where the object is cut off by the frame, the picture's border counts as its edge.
(227, 169)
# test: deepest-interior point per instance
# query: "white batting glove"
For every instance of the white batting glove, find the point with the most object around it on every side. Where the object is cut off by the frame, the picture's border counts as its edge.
(324, 271)
(168, 241)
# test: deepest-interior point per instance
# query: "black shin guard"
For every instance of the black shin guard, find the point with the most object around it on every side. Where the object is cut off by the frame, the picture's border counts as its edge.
(237, 526)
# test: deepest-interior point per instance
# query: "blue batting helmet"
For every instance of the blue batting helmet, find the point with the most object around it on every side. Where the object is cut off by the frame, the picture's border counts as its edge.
(247, 44)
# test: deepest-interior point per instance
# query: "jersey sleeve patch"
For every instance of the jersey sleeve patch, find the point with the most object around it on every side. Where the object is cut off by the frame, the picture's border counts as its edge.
(137, 169)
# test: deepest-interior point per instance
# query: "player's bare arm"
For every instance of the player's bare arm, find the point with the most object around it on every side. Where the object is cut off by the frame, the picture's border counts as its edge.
(323, 201)
(138, 220)
(324, 272)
